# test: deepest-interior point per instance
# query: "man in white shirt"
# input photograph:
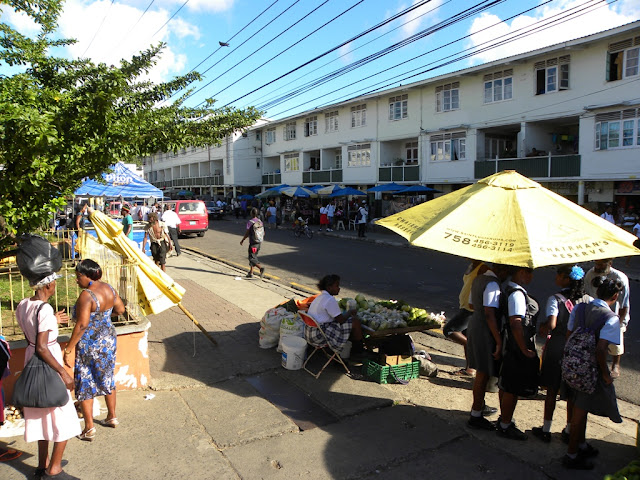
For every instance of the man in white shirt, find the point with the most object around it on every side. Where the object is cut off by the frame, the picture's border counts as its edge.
(362, 223)
(608, 215)
(331, 211)
(172, 221)
(603, 268)
(143, 212)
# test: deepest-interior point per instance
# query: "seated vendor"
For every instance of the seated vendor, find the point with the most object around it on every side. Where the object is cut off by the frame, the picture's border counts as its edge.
(337, 326)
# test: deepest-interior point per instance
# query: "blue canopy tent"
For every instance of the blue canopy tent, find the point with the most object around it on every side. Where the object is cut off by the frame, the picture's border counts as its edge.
(419, 189)
(121, 182)
(347, 191)
(387, 187)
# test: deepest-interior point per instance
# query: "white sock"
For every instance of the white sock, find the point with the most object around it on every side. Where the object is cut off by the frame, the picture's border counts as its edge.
(476, 413)
(504, 426)
(546, 426)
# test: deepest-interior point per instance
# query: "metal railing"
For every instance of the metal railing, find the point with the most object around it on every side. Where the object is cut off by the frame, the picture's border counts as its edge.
(331, 175)
(271, 179)
(119, 273)
(549, 166)
(402, 173)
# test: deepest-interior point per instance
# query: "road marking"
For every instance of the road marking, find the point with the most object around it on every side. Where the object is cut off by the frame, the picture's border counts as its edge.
(227, 262)
(303, 288)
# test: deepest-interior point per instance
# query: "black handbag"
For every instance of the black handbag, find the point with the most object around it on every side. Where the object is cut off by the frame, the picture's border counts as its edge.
(39, 385)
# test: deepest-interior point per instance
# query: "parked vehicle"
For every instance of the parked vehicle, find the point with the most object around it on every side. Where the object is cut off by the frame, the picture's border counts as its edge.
(214, 210)
(193, 216)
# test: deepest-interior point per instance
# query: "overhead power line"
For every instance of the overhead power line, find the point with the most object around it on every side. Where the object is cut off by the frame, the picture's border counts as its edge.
(170, 18)
(261, 47)
(362, 34)
(99, 27)
(135, 24)
(542, 25)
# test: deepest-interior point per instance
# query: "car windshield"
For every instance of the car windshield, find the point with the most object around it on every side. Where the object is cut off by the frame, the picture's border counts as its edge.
(192, 207)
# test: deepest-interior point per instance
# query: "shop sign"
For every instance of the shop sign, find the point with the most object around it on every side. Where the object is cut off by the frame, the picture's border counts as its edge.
(117, 179)
(628, 187)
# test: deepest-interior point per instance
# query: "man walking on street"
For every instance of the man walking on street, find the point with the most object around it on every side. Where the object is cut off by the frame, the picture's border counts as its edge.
(602, 268)
(127, 222)
(255, 232)
(172, 221)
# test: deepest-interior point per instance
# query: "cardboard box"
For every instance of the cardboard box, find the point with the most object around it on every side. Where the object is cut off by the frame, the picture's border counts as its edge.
(396, 359)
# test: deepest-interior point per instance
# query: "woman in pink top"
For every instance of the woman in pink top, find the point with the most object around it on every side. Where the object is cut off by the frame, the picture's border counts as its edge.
(46, 425)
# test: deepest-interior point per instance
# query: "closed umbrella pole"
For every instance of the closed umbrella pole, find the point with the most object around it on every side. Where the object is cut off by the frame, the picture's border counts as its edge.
(196, 323)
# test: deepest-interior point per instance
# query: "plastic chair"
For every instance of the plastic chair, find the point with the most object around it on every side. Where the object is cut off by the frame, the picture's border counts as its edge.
(339, 225)
(352, 222)
(332, 355)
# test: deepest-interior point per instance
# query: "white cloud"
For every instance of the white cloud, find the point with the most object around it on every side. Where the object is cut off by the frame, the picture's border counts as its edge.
(19, 21)
(192, 5)
(416, 19)
(121, 37)
(345, 54)
(598, 19)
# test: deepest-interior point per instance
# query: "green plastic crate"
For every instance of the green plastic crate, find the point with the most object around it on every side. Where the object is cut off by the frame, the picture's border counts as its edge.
(385, 373)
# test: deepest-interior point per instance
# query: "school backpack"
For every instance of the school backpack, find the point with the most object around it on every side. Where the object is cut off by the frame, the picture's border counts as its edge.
(579, 365)
(257, 231)
(359, 215)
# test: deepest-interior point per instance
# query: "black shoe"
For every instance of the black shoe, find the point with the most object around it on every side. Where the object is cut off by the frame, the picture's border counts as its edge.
(588, 452)
(481, 423)
(487, 411)
(261, 272)
(541, 434)
(578, 463)
(249, 275)
(511, 432)
(564, 436)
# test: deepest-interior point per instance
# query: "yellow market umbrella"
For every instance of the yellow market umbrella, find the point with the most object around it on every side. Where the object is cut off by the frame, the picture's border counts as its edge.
(510, 219)
(157, 291)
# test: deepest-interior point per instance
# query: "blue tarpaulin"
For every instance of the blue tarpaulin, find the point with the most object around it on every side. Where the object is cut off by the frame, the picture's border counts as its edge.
(120, 182)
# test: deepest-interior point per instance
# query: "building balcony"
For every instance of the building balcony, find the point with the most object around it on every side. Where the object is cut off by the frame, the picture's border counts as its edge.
(271, 179)
(551, 166)
(400, 173)
(191, 182)
(333, 175)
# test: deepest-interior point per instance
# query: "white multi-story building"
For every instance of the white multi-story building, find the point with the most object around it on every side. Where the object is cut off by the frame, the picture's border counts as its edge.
(567, 116)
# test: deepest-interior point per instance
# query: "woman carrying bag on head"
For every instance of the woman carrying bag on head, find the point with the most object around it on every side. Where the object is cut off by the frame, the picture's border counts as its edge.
(56, 424)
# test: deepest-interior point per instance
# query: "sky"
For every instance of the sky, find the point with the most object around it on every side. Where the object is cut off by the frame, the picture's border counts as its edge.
(350, 47)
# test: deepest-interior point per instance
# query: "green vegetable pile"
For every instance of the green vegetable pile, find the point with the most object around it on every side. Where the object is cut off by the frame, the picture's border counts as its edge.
(630, 472)
(390, 314)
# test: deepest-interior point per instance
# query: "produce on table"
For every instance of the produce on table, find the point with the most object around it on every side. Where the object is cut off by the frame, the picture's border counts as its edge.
(630, 472)
(390, 314)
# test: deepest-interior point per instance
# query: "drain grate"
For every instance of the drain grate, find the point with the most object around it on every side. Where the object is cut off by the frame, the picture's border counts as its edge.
(291, 401)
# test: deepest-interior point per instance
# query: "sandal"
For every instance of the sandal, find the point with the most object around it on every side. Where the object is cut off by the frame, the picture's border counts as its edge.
(111, 422)
(88, 435)
(8, 454)
(462, 373)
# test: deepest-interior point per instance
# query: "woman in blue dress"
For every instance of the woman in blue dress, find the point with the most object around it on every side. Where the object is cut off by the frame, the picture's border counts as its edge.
(94, 341)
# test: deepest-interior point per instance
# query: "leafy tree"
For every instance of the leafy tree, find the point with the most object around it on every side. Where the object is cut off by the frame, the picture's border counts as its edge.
(62, 120)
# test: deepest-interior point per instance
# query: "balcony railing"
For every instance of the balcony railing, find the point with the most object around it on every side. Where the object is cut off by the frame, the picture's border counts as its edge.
(271, 179)
(333, 175)
(191, 182)
(535, 167)
(402, 173)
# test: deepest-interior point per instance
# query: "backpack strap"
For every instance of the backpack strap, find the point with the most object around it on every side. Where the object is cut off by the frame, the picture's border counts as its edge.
(565, 301)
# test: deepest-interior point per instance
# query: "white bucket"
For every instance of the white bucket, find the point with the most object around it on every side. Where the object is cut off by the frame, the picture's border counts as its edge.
(346, 350)
(293, 350)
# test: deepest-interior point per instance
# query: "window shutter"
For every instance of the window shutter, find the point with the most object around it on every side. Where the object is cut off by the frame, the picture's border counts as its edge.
(539, 65)
(508, 73)
(605, 117)
(487, 78)
(565, 59)
(551, 62)
(619, 46)
(629, 113)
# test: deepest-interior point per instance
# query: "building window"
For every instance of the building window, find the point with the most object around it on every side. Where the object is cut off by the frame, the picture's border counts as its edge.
(552, 75)
(448, 97)
(448, 146)
(411, 149)
(359, 115)
(270, 136)
(310, 126)
(291, 162)
(359, 155)
(498, 86)
(257, 163)
(258, 135)
(398, 107)
(622, 59)
(338, 162)
(620, 129)
(290, 131)
(331, 122)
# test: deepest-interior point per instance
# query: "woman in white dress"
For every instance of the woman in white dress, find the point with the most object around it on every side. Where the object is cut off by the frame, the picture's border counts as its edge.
(56, 424)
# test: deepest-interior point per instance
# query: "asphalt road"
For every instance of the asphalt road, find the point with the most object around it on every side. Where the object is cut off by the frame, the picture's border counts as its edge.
(423, 278)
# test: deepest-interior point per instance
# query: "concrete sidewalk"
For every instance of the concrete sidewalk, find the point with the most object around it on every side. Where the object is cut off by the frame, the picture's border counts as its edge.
(219, 411)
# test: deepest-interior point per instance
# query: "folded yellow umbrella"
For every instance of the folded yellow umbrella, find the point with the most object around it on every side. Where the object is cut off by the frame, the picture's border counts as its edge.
(507, 218)
(157, 291)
